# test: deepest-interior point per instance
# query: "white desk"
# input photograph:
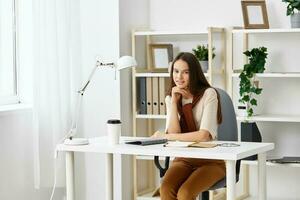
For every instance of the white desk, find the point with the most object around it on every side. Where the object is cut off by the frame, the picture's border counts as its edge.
(229, 154)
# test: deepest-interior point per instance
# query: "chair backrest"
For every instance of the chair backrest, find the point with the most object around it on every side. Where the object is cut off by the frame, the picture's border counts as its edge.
(227, 130)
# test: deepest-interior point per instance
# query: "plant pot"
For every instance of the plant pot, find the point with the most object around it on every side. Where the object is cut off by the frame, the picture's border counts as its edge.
(242, 110)
(295, 20)
(204, 65)
(250, 133)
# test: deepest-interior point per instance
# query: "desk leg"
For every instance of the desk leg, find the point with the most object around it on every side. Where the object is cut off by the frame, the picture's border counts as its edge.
(262, 185)
(109, 176)
(230, 179)
(70, 191)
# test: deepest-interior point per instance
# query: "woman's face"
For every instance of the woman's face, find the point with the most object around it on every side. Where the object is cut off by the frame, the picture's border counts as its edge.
(181, 74)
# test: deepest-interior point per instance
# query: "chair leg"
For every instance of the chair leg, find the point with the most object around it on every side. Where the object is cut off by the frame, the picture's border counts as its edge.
(205, 195)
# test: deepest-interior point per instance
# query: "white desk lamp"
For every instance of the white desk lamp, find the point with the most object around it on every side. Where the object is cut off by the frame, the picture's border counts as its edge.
(122, 63)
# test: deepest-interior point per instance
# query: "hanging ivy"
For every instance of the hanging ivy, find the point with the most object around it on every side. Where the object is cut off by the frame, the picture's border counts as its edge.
(257, 60)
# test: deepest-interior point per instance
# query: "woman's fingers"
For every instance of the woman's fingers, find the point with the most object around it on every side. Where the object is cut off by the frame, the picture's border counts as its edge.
(158, 134)
(185, 94)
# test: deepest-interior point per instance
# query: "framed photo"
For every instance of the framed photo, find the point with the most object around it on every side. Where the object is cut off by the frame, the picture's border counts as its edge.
(255, 14)
(160, 57)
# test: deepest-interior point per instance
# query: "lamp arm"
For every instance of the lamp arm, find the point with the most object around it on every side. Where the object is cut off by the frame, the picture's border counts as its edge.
(98, 64)
(73, 130)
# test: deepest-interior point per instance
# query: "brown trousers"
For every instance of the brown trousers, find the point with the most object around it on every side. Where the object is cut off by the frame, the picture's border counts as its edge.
(187, 177)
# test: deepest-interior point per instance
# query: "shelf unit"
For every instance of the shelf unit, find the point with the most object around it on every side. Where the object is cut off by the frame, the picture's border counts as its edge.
(140, 71)
(254, 162)
(232, 74)
(270, 118)
(272, 75)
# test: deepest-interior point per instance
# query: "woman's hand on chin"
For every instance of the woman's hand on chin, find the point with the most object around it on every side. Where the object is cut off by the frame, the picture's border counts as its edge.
(178, 92)
(186, 94)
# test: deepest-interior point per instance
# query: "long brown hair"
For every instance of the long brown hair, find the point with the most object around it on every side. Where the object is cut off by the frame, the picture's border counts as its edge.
(197, 81)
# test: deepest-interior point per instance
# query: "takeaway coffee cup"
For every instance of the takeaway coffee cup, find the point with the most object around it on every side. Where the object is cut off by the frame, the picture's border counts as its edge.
(113, 131)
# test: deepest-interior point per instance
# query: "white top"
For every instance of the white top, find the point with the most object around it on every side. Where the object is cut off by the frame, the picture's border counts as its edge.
(204, 112)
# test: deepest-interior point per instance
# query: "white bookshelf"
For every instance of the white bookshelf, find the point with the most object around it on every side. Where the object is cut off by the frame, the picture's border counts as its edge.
(158, 33)
(254, 162)
(279, 30)
(270, 118)
(273, 75)
(232, 75)
(141, 50)
(255, 198)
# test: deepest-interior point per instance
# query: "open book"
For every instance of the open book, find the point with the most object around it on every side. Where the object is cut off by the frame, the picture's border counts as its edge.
(190, 144)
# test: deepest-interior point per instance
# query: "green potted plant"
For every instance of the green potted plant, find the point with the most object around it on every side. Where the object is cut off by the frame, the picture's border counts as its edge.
(249, 89)
(201, 53)
(295, 16)
(248, 84)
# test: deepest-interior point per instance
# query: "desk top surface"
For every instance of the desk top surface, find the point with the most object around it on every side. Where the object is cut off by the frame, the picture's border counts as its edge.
(100, 145)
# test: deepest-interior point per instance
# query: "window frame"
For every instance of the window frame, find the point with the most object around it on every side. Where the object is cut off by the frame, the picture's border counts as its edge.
(15, 98)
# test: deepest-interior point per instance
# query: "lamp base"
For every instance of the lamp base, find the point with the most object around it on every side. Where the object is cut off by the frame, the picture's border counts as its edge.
(76, 141)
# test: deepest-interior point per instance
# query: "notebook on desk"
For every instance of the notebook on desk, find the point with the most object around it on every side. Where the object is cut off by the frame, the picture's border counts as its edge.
(147, 141)
(286, 159)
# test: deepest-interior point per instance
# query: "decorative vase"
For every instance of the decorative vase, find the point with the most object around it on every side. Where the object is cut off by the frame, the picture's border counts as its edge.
(204, 65)
(295, 20)
(250, 133)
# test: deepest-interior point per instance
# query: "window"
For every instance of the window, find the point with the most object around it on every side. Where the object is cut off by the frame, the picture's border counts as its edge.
(8, 52)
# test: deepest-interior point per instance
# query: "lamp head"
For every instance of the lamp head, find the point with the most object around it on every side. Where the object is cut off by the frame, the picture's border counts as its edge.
(125, 62)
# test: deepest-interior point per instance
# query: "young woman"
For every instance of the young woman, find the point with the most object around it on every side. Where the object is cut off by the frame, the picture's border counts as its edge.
(193, 114)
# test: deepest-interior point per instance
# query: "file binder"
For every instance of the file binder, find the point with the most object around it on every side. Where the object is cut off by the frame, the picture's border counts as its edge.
(155, 96)
(149, 95)
(142, 96)
(163, 87)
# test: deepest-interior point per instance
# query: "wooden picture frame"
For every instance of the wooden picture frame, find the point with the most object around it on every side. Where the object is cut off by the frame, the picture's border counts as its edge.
(255, 14)
(160, 57)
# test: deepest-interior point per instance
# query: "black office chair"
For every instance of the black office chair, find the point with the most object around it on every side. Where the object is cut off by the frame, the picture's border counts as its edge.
(227, 131)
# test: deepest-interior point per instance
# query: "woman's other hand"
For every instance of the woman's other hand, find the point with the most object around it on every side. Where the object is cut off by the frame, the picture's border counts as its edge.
(159, 134)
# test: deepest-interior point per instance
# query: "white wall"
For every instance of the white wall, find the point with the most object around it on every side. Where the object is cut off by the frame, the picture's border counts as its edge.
(133, 14)
(99, 36)
(191, 14)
